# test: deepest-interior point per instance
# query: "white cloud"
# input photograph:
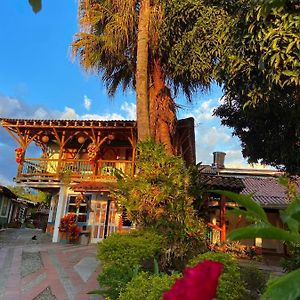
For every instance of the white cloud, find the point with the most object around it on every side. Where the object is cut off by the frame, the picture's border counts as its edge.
(214, 136)
(69, 114)
(87, 102)
(204, 112)
(130, 110)
(102, 117)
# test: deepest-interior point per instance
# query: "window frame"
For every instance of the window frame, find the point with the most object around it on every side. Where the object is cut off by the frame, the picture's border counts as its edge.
(4, 199)
(78, 213)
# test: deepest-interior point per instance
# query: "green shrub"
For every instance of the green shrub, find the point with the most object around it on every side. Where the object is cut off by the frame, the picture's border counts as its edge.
(230, 285)
(148, 287)
(122, 255)
(293, 261)
(254, 280)
(129, 248)
(29, 225)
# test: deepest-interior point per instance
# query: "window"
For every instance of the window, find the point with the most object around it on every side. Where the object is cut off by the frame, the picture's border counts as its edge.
(81, 211)
(4, 205)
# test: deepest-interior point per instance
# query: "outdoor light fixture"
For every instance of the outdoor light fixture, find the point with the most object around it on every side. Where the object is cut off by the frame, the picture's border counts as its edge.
(81, 139)
(45, 139)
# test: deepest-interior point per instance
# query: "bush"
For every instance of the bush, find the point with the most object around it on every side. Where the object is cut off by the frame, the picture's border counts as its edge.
(122, 255)
(148, 287)
(254, 280)
(129, 248)
(230, 285)
(293, 262)
(29, 225)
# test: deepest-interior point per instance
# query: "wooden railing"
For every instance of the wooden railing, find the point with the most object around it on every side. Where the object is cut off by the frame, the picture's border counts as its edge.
(79, 168)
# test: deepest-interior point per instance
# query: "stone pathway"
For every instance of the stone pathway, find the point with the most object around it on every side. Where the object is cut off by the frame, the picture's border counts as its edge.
(41, 270)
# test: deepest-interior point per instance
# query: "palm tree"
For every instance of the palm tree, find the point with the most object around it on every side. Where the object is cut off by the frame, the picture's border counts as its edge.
(148, 43)
(119, 39)
(142, 83)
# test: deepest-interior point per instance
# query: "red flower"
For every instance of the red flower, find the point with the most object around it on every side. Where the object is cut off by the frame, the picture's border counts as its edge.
(198, 283)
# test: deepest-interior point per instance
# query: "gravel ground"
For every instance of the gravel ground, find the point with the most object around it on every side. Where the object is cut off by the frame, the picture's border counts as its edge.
(31, 262)
(45, 295)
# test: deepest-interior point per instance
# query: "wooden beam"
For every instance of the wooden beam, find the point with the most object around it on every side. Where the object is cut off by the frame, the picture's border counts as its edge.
(223, 218)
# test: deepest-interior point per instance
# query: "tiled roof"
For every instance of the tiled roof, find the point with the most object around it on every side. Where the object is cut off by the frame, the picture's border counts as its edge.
(93, 186)
(221, 182)
(67, 123)
(267, 191)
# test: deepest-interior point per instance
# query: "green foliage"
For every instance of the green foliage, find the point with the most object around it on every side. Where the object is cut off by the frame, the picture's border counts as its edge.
(29, 225)
(30, 194)
(261, 81)
(285, 287)
(269, 131)
(194, 37)
(129, 248)
(36, 5)
(159, 198)
(230, 284)
(255, 280)
(293, 261)
(122, 255)
(148, 287)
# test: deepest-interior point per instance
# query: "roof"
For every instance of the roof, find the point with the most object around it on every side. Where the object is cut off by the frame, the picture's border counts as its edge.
(66, 123)
(7, 192)
(208, 169)
(93, 186)
(221, 182)
(267, 191)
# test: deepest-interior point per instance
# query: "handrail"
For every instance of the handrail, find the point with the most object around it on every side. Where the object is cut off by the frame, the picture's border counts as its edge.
(53, 167)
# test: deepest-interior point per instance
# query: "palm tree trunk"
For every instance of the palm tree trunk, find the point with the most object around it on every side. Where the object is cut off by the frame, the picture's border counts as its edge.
(162, 109)
(142, 82)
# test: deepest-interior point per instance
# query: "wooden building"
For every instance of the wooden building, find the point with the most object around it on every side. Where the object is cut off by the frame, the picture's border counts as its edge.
(261, 183)
(79, 158)
(6, 206)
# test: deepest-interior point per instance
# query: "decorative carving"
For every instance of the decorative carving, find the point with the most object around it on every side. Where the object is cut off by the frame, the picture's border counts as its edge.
(19, 154)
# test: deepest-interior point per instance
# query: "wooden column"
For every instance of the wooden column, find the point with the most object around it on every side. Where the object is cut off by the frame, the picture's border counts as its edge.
(223, 218)
(60, 211)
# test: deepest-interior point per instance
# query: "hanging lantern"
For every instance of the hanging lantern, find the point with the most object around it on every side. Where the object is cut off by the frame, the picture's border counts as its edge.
(81, 139)
(19, 154)
(45, 139)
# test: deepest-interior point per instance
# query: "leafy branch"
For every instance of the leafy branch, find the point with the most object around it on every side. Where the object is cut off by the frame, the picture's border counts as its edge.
(287, 286)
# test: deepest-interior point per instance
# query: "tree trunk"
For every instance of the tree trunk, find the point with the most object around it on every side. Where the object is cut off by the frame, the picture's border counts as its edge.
(162, 109)
(142, 82)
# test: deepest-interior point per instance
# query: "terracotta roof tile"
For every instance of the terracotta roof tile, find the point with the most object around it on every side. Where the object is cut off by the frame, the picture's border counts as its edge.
(267, 191)
(221, 182)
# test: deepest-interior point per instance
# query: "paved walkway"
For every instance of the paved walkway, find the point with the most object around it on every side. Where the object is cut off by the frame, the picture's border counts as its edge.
(40, 270)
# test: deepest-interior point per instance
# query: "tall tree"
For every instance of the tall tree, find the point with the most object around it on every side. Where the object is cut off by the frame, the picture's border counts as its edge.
(116, 35)
(180, 55)
(261, 81)
(142, 82)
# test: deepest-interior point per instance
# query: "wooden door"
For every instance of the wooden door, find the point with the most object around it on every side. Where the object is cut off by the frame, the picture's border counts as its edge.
(101, 224)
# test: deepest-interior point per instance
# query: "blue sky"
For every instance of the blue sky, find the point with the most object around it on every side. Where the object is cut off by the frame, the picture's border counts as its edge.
(38, 79)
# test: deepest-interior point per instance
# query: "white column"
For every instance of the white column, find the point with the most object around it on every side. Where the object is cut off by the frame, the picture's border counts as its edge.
(59, 212)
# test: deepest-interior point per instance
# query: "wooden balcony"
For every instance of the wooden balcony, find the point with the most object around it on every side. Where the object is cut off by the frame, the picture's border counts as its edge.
(75, 170)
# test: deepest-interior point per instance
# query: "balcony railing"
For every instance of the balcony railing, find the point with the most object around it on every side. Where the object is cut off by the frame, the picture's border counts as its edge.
(79, 168)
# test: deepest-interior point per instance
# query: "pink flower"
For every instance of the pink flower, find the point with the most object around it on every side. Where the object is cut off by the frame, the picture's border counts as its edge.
(198, 283)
